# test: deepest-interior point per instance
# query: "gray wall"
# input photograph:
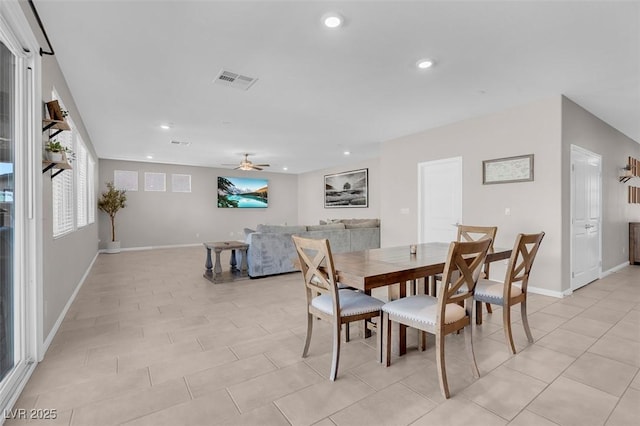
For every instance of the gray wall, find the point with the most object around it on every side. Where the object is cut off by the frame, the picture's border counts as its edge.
(172, 218)
(67, 258)
(581, 128)
(311, 194)
(529, 129)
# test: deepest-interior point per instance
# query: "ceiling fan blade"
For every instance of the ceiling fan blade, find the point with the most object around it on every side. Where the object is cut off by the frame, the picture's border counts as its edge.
(254, 167)
(236, 168)
(227, 164)
(262, 165)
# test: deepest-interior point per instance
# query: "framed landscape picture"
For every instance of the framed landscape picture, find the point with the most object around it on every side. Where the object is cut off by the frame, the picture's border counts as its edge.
(242, 192)
(347, 189)
(508, 170)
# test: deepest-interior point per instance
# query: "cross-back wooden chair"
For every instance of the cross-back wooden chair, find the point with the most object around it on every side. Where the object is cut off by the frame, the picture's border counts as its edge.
(475, 233)
(442, 315)
(325, 300)
(507, 294)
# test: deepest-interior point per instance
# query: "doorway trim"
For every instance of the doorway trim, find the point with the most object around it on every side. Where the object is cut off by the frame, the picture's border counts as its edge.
(578, 149)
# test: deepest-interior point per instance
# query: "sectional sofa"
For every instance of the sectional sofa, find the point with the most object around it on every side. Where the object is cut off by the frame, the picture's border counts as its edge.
(271, 250)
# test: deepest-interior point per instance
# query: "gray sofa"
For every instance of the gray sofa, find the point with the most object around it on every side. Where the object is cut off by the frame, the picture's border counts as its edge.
(271, 250)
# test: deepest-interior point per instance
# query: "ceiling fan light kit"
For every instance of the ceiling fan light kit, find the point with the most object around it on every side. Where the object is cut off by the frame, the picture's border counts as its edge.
(245, 164)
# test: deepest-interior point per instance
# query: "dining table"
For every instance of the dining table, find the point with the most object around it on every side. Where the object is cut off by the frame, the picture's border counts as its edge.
(387, 266)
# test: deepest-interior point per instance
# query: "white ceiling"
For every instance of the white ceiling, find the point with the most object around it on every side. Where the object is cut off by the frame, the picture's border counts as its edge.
(132, 65)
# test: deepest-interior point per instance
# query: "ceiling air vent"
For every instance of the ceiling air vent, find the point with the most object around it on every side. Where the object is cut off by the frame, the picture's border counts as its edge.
(180, 143)
(232, 79)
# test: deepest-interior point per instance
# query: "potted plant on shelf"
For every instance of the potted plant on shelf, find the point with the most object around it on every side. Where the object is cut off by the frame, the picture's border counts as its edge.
(55, 151)
(110, 202)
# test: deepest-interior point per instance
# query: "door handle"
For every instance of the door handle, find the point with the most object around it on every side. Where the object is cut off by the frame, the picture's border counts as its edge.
(587, 226)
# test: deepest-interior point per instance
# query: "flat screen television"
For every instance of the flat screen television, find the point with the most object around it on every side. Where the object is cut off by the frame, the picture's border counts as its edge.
(242, 192)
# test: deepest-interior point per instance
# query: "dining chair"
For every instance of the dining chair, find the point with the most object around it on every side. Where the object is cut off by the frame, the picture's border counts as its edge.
(475, 233)
(325, 300)
(508, 294)
(442, 315)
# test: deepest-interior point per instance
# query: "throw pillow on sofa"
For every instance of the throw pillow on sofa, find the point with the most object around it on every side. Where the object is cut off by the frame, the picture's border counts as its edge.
(354, 223)
(373, 223)
(281, 229)
(326, 227)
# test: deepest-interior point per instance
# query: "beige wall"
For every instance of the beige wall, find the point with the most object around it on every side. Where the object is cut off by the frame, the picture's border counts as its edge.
(581, 128)
(529, 129)
(172, 218)
(311, 194)
(65, 259)
(158, 219)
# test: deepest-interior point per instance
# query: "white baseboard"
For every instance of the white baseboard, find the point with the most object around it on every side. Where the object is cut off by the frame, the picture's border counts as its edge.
(17, 391)
(546, 292)
(614, 269)
(154, 247)
(56, 326)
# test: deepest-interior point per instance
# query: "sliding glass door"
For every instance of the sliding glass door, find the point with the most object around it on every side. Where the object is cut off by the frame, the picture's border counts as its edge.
(17, 225)
(7, 210)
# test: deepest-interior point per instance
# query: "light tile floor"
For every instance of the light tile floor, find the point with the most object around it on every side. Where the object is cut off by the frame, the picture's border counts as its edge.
(149, 341)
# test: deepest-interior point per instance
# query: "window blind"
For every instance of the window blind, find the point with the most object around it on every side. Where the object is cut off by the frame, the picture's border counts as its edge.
(62, 186)
(91, 189)
(62, 200)
(82, 207)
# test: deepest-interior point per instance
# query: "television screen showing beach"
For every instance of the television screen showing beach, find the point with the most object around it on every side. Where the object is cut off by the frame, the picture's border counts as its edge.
(240, 192)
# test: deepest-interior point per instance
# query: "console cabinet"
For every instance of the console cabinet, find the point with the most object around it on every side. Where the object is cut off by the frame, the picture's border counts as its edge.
(634, 243)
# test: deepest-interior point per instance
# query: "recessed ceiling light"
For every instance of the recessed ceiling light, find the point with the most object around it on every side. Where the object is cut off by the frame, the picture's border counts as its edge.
(424, 64)
(150, 157)
(347, 153)
(165, 126)
(285, 168)
(332, 20)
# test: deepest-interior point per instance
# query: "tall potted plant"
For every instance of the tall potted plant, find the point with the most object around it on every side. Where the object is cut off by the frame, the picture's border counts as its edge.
(110, 202)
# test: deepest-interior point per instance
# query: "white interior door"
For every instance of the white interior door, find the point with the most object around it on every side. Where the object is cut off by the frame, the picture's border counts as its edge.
(586, 207)
(439, 199)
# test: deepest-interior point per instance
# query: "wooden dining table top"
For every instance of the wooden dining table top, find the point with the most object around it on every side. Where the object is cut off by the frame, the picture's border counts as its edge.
(368, 269)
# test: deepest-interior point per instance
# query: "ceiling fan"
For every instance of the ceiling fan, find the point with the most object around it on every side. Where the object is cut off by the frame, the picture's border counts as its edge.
(245, 164)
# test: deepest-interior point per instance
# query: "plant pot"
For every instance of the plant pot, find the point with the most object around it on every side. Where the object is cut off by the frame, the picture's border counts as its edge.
(113, 247)
(55, 157)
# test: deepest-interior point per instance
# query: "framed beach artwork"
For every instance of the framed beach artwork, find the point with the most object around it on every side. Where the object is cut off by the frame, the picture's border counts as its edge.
(508, 170)
(347, 189)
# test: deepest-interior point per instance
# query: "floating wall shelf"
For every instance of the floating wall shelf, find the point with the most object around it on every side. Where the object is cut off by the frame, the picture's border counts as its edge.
(632, 169)
(59, 166)
(56, 120)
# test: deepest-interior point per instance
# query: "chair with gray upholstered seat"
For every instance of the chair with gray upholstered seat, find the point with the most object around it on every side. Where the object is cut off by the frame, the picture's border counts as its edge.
(442, 315)
(508, 294)
(325, 300)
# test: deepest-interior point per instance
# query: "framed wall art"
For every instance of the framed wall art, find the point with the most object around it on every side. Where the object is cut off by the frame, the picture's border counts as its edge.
(242, 192)
(508, 170)
(347, 189)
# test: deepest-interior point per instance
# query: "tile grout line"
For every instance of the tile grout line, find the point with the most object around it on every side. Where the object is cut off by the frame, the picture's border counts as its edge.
(186, 383)
(235, 403)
